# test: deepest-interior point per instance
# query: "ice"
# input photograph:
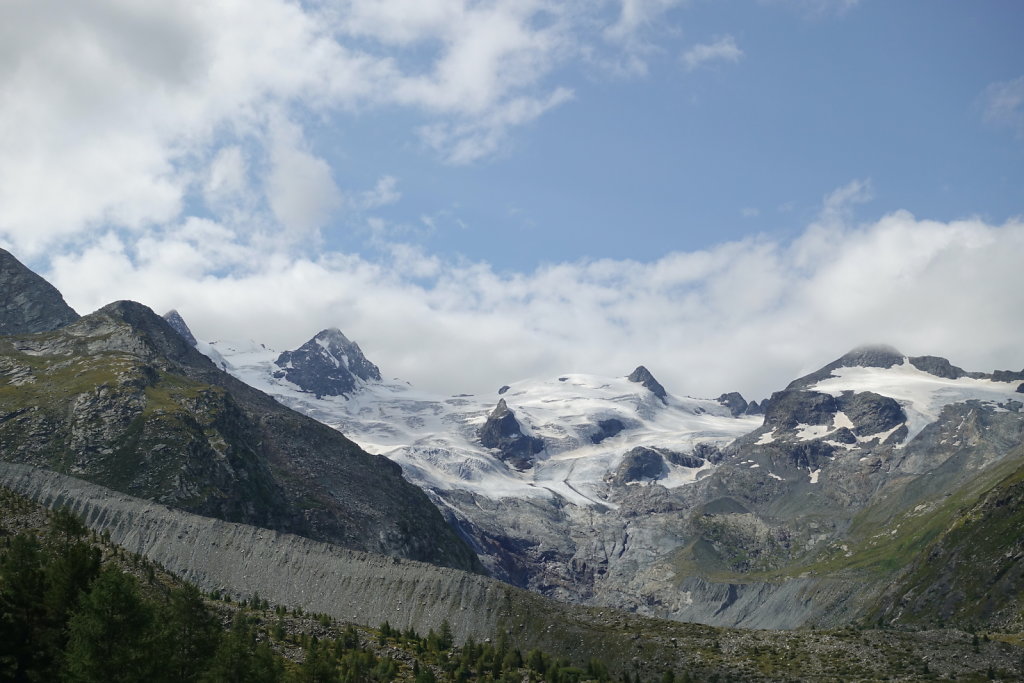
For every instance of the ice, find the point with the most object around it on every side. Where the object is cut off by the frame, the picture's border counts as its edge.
(433, 437)
(922, 395)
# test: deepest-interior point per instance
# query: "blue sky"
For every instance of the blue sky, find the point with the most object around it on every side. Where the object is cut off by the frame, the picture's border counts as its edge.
(732, 193)
(682, 158)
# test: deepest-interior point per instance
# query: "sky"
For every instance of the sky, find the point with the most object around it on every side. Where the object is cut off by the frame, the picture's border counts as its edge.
(730, 193)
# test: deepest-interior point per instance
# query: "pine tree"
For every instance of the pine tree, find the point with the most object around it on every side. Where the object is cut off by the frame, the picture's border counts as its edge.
(112, 636)
(190, 634)
(23, 623)
(240, 659)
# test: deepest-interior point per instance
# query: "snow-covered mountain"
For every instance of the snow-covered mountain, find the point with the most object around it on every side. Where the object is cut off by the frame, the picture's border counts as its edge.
(584, 424)
(615, 491)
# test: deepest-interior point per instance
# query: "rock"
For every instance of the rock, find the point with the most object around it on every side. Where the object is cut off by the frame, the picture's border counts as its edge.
(735, 402)
(607, 429)
(691, 461)
(789, 408)
(503, 389)
(707, 451)
(640, 464)
(753, 408)
(327, 365)
(502, 432)
(871, 413)
(1007, 376)
(175, 320)
(940, 367)
(644, 377)
(1020, 389)
(28, 303)
(869, 356)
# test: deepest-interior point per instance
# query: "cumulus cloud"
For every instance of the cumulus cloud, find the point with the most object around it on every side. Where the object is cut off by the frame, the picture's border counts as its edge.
(723, 49)
(122, 115)
(748, 315)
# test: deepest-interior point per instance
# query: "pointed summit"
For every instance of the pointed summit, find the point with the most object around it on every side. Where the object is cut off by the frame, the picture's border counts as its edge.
(175, 320)
(28, 303)
(503, 432)
(327, 365)
(867, 356)
(644, 377)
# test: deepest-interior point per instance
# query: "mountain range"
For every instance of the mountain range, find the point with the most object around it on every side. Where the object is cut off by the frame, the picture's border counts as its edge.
(881, 490)
(614, 491)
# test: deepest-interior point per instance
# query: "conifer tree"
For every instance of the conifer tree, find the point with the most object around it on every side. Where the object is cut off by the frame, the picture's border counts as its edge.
(112, 636)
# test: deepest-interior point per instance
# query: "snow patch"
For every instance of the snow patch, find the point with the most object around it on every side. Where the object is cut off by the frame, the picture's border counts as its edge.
(810, 432)
(813, 475)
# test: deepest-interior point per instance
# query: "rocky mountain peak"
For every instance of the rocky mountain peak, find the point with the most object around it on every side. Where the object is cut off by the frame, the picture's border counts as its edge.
(735, 402)
(503, 432)
(866, 356)
(175, 320)
(644, 377)
(28, 303)
(329, 364)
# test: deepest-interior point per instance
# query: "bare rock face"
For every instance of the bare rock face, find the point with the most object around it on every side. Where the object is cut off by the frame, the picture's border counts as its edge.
(640, 464)
(503, 432)
(644, 377)
(606, 429)
(735, 402)
(789, 408)
(329, 364)
(871, 413)
(28, 303)
(175, 320)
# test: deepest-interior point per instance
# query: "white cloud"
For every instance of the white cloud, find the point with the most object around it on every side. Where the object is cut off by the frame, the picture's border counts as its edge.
(748, 315)
(636, 15)
(837, 205)
(120, 115)
(818, 8)
(1004, 105)
(300, 189)
(383, 193)
(723, 49)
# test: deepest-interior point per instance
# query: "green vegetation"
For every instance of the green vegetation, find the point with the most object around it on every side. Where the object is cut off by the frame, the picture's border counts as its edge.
(75, 608)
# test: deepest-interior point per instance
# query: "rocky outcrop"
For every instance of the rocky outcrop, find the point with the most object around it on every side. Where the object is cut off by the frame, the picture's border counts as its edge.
(28, 303)
(640, 464)
(502, 432)
(789, 408)
(735, 402)
(940, 367)
(643, 377)
(871, 413)
(327, 365)
(607, 429)
(179, 325)
(753, 408)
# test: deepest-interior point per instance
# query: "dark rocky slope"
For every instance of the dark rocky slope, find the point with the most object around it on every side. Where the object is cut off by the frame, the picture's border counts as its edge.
(119, 398)
(28, 303)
